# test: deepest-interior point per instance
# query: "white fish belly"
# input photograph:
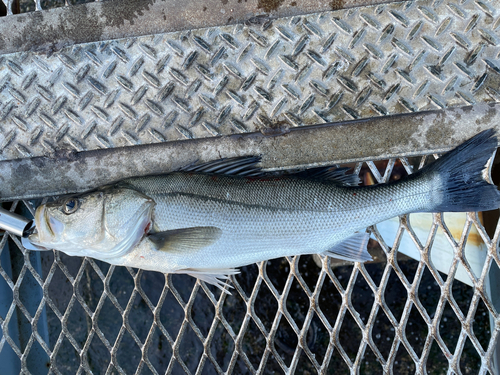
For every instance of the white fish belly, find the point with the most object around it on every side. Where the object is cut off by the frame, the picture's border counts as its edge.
(249, 235)
(254, 234)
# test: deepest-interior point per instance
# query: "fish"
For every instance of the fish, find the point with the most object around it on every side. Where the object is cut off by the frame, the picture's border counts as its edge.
(208, 220)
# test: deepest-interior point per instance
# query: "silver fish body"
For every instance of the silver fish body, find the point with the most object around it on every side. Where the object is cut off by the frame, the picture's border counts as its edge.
(266, 218)
(207, 224)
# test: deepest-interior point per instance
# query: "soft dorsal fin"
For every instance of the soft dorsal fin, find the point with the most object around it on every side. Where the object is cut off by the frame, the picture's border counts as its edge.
(239, 166)
(185, 240)
(352, 249)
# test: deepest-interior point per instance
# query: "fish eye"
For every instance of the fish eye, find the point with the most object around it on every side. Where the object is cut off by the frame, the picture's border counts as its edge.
(70, 206)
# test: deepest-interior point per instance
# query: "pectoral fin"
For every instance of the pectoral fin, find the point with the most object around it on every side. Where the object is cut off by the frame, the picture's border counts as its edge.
(185, 240)
(214, 276)
(352, 249)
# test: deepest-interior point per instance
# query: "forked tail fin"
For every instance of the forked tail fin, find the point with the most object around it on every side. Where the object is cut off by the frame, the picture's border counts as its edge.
(458, 176)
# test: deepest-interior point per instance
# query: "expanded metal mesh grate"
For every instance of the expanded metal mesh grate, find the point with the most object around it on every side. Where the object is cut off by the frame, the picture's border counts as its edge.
(294, 315)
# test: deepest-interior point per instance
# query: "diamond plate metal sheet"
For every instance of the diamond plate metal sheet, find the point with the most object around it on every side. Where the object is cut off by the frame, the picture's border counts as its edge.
(263, 75)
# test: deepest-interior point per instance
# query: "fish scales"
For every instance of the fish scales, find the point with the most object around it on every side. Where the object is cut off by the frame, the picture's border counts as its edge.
(272, 217)
(288, 193)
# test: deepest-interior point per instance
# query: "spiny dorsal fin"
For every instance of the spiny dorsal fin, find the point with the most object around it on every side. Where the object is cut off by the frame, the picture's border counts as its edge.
(247, 166)
(239, 166)
(185, 240)
(352, 249)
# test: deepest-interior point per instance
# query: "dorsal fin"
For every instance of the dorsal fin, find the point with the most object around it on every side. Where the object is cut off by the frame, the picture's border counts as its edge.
(247, 166)
(239, 166)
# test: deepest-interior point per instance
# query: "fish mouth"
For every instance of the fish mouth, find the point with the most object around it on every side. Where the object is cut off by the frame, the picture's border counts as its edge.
(47, 226)
(31, 241)
(34, 238)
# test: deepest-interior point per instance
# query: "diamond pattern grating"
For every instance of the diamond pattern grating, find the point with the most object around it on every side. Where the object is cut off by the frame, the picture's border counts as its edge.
(287, 315)
(264, 75)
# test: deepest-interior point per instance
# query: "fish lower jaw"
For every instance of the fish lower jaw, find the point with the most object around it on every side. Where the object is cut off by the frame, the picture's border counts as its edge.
(95, 253)
(102, 251)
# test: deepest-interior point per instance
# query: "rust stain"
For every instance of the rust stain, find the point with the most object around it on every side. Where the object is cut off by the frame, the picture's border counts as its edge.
(337, 4)
(455, 222)
(456, 227)
(269, 5)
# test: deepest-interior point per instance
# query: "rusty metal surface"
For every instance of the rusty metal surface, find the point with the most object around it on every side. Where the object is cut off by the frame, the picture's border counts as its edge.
(264, 75)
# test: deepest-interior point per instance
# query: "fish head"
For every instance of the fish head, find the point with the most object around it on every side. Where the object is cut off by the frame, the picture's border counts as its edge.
(102, 224)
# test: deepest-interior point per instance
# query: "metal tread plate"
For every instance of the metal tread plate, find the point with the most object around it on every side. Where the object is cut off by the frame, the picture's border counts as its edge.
(266, 74)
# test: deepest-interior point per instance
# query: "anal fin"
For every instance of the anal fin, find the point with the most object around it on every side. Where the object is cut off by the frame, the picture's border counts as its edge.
(352, 249)
(215, 276)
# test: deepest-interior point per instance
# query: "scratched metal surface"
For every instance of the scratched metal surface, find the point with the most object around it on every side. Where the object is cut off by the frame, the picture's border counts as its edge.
(287, 315)
(266, 74)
